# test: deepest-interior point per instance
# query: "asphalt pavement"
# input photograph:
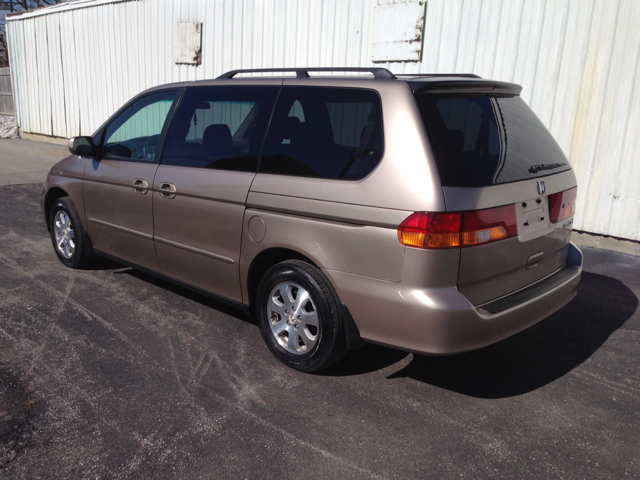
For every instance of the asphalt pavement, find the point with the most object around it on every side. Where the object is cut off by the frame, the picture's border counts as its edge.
(111, 373)
(24, 161)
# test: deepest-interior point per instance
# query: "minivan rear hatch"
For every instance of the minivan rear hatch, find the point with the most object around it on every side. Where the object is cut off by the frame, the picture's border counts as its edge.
(502, 169)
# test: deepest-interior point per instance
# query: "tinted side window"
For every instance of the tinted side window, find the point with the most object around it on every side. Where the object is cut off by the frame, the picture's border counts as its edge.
(324, 132)
(135, 132)
(219, 127)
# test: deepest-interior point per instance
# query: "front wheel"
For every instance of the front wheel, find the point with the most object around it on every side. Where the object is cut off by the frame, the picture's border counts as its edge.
(299, 316)
(67, 234)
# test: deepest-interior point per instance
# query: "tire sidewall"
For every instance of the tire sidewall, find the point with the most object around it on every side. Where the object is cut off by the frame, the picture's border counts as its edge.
(67, 206)
(283, 273)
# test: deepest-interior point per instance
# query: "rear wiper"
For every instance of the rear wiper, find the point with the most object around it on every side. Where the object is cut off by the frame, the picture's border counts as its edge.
(545, 166)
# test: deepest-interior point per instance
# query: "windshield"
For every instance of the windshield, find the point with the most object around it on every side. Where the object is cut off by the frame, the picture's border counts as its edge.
(480, 141)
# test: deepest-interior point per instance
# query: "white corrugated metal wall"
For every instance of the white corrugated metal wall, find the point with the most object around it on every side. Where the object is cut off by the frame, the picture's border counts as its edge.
(578, 61)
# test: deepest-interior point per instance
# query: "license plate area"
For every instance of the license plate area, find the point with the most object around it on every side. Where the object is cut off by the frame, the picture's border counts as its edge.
(533, 217)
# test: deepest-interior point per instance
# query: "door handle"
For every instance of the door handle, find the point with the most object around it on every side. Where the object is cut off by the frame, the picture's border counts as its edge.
(167, 190)
(534, 260)
(140, 186)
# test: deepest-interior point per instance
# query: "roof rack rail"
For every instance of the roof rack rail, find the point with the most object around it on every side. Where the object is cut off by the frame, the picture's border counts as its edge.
(378, 73)
(466, 75)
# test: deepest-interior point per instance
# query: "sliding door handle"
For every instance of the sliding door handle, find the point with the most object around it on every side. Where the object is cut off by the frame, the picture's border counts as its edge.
(140, 186)
(167, 190)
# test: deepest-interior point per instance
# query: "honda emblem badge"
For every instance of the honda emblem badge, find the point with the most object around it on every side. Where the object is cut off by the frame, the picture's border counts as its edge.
(540, 187)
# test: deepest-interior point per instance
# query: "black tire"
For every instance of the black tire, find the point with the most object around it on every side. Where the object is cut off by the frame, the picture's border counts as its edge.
(80, 255)
(329, 343)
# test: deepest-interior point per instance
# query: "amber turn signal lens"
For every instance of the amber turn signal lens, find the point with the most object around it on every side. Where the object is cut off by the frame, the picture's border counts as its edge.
(452, 230)
(430, 230)
(429, 240)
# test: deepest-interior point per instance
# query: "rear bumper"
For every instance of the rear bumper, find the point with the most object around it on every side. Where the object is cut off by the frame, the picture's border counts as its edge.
(442, 321)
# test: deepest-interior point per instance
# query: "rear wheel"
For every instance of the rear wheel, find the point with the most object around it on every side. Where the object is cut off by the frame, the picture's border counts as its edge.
(67, 234)
(299, 316)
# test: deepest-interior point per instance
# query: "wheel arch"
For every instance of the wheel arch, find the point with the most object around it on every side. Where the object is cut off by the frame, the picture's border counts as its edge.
(266, 259)
(52, 195)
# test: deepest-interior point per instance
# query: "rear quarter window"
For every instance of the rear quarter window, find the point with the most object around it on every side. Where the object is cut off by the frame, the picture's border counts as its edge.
(481, 141)
(324, 132)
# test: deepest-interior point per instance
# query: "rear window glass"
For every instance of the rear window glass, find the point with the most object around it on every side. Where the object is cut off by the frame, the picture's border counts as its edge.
(480, 141)
(324, 132)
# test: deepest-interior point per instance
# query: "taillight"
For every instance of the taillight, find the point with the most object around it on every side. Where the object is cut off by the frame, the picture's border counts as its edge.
(452, 230)
(483, 226)
(562, 205)
(430, 230)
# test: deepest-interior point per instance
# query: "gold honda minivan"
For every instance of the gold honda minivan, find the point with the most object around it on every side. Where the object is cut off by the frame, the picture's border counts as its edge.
(429, 213)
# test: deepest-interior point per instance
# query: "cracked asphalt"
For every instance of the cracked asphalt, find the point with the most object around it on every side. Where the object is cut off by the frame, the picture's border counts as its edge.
(115, 374)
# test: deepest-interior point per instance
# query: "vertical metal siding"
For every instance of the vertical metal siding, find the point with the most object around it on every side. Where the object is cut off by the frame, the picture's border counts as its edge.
(6, 93)
(578, 61)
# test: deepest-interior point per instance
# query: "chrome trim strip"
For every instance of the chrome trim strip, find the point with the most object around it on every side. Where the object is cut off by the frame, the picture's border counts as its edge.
(547, 284)
(242, 306)
(122, 229)
(186, 248)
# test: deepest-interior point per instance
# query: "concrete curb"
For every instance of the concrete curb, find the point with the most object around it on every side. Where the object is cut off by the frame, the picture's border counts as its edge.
(43, 138)
(586, 239)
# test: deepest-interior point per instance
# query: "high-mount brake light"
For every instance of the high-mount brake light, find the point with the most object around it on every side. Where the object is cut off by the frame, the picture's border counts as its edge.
(562, 205)
(459, 229)
(484, 87)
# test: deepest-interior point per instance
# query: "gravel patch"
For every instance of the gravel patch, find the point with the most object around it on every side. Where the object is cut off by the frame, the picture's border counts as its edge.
(15, 408)
(8, 128)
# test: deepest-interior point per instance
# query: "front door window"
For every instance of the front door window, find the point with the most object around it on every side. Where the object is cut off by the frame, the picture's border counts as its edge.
(134, 134)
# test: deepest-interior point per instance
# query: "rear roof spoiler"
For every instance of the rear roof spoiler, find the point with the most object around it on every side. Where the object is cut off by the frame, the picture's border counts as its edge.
(465, 86)
(433, 75)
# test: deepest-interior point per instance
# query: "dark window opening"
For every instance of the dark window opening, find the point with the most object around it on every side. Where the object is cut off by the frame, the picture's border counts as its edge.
(325, 133)
(480, 141)
(219, 127)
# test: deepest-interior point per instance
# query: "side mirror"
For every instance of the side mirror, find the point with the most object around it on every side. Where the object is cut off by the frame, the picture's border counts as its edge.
(82, 146)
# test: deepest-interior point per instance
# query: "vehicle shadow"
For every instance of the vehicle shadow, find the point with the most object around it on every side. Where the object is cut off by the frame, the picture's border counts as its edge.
(101, 263)
(186, 293)
(524, 362)
(366, 360)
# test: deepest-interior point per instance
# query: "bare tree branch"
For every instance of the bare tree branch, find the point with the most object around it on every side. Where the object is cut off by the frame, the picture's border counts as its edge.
(9, 6)
(23, 5)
